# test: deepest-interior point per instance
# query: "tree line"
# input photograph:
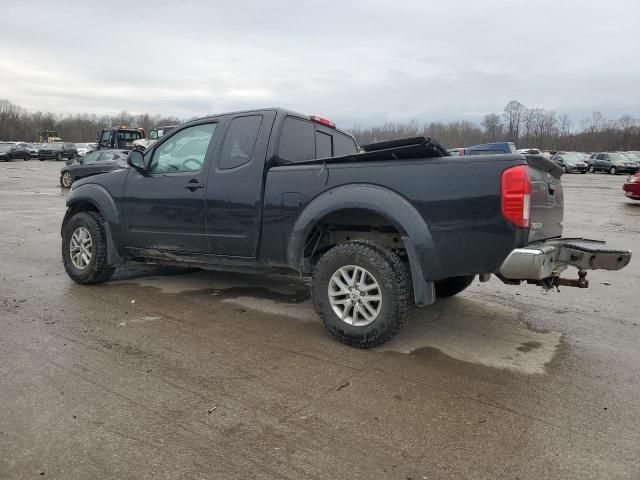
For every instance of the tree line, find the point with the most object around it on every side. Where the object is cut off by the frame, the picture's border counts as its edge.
(526, 127)
(19, 124)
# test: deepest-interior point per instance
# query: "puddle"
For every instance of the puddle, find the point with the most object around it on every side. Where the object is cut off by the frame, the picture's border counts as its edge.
(467, 329)
(477, 331)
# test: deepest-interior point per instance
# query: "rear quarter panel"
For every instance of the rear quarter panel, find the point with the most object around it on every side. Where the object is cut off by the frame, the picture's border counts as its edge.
(458, 197)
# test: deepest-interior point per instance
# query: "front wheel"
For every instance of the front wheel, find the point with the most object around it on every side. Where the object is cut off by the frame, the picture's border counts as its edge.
(27, 157)
(59, 157)
(84, 248)
(566, 170)
(66, 180)
(613, 170)
(451, 286)
(362, 293)
(592, 169)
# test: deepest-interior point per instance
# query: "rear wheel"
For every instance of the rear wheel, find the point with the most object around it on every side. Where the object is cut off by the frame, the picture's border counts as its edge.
(59, 157)
(362, 293)
(453, 285)
(84, 248)
(613, 170)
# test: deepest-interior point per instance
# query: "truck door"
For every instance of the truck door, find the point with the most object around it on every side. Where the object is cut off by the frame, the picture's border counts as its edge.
(235, 188)
(165, 208)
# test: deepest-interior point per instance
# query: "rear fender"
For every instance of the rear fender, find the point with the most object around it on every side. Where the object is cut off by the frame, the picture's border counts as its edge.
(416, 235)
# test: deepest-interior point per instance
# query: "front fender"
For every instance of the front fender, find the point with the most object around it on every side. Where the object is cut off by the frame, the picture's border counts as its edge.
(98, 197)
(384, 202)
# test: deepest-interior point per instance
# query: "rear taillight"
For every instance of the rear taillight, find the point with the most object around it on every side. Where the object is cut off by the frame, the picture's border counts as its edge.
(515, 195)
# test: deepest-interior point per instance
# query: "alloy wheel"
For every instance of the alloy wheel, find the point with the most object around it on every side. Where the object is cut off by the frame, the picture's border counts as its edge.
(355, 295)
(81, 248)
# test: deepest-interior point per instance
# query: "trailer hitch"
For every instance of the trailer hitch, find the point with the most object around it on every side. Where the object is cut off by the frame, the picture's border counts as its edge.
(580, 282)
(557, 281)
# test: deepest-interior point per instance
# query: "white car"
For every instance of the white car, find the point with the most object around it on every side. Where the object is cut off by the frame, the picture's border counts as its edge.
(84, 148)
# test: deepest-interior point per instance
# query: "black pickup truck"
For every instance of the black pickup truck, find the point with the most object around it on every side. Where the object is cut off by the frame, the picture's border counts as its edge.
(380, 228)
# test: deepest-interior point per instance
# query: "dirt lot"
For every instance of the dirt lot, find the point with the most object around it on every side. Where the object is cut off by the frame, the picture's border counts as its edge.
(217, 375)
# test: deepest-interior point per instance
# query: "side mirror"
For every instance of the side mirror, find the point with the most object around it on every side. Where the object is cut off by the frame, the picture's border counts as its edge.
(136, 160)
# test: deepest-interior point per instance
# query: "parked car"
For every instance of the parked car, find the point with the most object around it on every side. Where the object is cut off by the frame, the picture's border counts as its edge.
(33, 151)
(84, 148)
(118, 138)
(530, 151)
(275, 190)
(632, 186)
(57, 151)
(570, 162)
(489, 149)
(154, 135)
(11, 150)
(613, 163)
(93, 163)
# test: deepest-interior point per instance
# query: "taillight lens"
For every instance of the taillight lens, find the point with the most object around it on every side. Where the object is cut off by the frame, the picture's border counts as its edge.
(515, 194)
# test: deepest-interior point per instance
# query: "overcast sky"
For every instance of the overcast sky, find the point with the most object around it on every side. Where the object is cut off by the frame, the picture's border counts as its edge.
(356, 62)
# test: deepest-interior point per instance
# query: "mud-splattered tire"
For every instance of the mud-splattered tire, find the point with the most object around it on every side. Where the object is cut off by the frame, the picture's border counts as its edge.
(96, 270)
(453, 285)
(395, 289)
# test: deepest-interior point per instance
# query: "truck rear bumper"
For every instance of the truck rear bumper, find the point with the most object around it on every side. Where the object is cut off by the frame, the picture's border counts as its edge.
(549, 258)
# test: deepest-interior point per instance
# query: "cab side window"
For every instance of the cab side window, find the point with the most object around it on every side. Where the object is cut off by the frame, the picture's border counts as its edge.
(185, 151)
(240, 141)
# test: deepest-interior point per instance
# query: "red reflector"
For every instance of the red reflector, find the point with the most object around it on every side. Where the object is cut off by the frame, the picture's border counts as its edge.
(515, 194)
(322, 121)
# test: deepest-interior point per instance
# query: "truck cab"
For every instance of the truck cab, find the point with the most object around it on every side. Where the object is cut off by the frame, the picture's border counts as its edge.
(118, 138)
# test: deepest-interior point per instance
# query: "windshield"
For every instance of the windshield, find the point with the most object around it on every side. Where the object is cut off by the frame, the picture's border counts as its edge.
(571, 158)
(618, 157)
(53, 146)
(129, 135)
(632, 156)
(81, 145)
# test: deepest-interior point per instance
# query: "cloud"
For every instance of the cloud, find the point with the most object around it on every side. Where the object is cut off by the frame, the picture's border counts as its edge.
(355, 62)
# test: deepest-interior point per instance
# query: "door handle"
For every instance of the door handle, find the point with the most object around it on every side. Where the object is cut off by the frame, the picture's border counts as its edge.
(193, 185)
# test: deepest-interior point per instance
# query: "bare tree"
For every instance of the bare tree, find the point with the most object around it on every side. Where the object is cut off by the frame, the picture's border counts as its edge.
(493, 127)
(513, 112)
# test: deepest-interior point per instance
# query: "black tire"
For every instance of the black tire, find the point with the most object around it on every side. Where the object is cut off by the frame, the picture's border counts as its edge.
(613, 170)
(453, 285)
(583, 172)
(394, 280)
(97, 270)
(566, 170)
(27, 157)
(592, 169)
(66, 180)
(59, 157)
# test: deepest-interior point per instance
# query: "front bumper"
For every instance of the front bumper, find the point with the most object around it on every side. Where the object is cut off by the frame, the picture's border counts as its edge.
(549, 258)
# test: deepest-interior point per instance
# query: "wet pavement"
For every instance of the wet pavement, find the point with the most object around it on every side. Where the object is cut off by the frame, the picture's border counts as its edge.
(191, 374)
